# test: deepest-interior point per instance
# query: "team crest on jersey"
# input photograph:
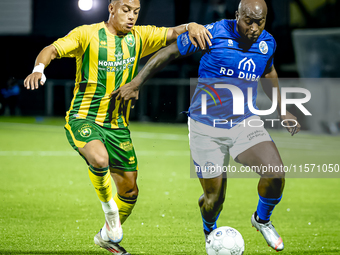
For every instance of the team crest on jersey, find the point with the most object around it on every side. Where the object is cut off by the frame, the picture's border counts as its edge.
(263, 47)
(85, 131)
(130, 40)
(230, 42)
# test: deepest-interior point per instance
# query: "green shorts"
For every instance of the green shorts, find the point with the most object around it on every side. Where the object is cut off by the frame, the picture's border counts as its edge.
(118, 142)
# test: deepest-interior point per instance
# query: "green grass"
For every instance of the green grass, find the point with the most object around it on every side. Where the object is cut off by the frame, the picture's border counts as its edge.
(48, 205)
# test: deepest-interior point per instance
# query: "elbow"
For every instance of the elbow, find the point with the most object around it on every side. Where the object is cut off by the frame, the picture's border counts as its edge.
(172, 36)
(52, 51)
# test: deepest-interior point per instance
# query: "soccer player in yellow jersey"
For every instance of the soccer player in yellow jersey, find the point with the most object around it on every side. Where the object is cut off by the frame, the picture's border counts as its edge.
(107, 56)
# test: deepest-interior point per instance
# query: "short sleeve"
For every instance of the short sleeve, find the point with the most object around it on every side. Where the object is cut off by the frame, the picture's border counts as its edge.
(184, 44)
(70, 45)
(270, 61)
(153, 38)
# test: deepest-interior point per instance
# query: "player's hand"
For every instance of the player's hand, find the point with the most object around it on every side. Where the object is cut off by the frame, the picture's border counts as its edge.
(128, 91)
(201, 34)
(288, 122)
(33, 80)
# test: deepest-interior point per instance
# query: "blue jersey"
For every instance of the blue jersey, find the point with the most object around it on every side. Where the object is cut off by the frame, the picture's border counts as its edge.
(229, 61)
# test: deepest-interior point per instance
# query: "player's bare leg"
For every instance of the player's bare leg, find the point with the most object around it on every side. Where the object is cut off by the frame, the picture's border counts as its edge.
(98, 160)
(127, 191)
(211, 202)
(95, 154)
(270, 188)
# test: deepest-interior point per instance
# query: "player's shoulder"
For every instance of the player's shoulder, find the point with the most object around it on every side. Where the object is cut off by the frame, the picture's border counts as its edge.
(268, 38)
(91, 27)
(139, 29)
(228, 24)
(221, 27)
(86, 30)
(143, 30)
(212, 26)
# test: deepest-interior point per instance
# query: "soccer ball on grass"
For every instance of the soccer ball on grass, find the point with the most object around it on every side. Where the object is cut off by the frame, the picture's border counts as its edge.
(225, 241)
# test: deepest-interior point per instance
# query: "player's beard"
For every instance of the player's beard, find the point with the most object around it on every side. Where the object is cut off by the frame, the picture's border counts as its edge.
(253, 38)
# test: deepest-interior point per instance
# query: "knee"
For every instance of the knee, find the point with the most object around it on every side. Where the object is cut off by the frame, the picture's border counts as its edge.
(279, 181)
(130, 192)
(275, 172)
(100, 161)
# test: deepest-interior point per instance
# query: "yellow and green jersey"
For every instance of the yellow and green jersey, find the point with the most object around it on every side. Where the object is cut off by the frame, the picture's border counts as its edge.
(106, 62)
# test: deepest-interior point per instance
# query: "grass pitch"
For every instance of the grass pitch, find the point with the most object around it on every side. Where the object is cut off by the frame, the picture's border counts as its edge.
(48, 204)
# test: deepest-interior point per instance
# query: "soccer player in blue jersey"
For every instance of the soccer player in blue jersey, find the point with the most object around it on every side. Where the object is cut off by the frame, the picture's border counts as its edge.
(241, 53)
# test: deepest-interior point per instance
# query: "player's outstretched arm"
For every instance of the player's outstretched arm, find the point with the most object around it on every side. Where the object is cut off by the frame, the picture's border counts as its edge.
(37, 77)
(155, 64)
(197, 34)
(271, 81)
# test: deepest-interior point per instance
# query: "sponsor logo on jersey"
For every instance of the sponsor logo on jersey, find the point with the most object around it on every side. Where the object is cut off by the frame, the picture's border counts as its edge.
(209, 26)
(184, 40)
(263, 47)
(247, 64)
(114, 66)
(246, 69)
(130, 40)
(119, 56)
(103, 44)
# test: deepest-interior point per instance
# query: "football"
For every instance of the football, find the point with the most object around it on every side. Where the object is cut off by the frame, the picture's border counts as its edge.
(225, 241)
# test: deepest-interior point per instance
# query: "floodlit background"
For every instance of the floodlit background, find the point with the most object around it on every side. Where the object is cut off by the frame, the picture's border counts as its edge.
(47, 202)
(305, 30)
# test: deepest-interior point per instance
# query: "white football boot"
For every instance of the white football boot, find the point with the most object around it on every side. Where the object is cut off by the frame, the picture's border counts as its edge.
(110, 246)
(269, 233)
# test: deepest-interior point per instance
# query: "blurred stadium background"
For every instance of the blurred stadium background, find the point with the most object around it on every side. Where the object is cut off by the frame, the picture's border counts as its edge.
(305, 30)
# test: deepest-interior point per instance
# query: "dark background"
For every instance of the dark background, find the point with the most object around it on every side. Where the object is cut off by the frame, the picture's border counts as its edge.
(54, 19)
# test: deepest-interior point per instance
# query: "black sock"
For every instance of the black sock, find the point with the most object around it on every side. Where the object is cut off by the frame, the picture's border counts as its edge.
(257, 218)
